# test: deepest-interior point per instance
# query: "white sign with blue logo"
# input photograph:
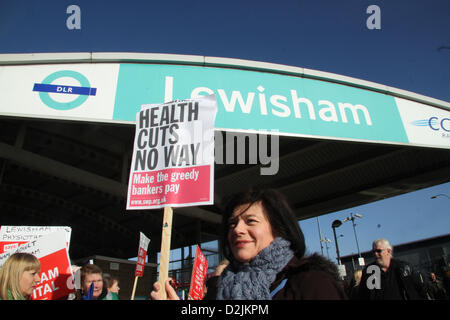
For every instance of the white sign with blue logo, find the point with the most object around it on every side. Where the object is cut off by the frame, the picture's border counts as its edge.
(79, 92)
(83, 92)
(425, 125)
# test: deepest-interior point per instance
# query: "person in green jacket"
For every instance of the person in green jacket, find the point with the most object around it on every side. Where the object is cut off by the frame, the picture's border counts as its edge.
(112, 285)
(19, 275)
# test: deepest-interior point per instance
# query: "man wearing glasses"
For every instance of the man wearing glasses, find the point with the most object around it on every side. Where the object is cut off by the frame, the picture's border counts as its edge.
(390, 279)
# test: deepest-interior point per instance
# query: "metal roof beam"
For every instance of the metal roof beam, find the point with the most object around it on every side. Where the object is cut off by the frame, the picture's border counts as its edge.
(88, 179)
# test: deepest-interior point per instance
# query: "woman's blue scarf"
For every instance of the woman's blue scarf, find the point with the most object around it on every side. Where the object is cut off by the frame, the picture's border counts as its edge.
(251, 281)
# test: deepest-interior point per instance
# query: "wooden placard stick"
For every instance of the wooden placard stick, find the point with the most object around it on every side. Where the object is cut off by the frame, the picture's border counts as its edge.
(134, 288)
(165, 250)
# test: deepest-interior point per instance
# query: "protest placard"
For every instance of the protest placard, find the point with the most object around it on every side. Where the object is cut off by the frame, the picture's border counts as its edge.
(173, 162)
(142, 254)
(56, 274)
(11, 237)
(173, 157)
(198, 277)
(140, 263)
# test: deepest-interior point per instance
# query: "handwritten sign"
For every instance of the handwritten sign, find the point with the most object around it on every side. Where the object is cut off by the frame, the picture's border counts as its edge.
(198, 277)
(56, 274)
(11, 237)
(173, 156)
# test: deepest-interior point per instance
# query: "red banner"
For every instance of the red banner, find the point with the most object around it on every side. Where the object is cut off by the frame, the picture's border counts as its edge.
(198, 277)
(56, 277)
(142, 254)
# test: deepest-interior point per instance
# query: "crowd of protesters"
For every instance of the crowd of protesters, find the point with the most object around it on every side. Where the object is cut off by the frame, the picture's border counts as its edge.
(266, 259)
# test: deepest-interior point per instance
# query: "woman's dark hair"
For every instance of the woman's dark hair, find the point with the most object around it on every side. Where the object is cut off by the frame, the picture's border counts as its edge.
(280, 215)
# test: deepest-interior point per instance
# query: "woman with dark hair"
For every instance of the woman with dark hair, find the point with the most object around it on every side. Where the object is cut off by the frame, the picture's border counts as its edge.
(266, 249)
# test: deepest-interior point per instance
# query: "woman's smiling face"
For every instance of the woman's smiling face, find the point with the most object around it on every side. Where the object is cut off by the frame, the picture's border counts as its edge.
(249, 231)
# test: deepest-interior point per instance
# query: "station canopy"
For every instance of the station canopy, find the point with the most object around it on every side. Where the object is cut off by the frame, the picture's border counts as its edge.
(326, 141)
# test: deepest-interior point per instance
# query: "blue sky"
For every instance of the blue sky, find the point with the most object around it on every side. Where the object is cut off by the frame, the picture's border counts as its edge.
(324, 35)
(411, 51)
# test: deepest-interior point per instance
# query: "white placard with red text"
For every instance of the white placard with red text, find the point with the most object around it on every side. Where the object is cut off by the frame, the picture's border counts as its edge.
(173, 156)
(198, 277)
(56, 273)
(11, 237)
(142, 254)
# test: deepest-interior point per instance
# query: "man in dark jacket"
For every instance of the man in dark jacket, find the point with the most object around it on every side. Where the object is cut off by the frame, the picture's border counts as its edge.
(390, 279)
(435, 288)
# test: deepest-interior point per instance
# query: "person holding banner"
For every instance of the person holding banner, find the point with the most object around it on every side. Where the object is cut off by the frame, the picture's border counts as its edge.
(19, 275)
(266, 249)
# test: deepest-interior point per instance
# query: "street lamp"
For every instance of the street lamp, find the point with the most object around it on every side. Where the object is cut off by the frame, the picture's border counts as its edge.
(320, 235)
(352, 218)
(327, 241)
(334, 225)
